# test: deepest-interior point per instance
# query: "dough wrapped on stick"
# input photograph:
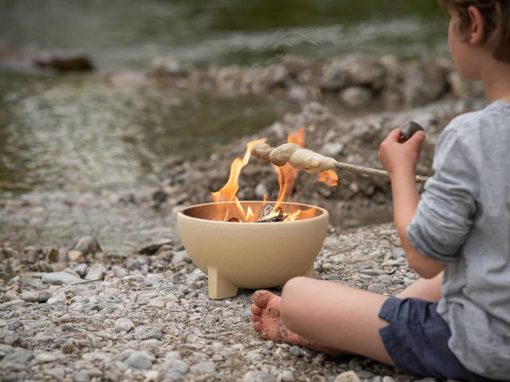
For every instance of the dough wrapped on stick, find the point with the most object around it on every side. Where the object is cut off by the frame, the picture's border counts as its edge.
(310, 161)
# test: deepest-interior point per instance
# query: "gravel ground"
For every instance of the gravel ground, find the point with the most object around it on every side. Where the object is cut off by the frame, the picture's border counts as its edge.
(147, 317)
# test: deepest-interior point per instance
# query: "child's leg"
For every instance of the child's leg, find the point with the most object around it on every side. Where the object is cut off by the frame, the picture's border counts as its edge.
(329, 315)
(425, 289)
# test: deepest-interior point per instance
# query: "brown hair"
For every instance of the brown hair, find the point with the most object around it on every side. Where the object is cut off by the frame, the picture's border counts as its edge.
(496, 16)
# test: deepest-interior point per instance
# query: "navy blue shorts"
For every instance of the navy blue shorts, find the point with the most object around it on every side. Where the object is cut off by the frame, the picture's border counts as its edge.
(417, 340)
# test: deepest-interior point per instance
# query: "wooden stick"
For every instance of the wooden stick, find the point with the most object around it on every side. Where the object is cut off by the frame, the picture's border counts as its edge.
(368, 171)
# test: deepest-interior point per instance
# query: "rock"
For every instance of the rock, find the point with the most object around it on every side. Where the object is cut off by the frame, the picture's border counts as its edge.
(57, 298)
(64, 62)
(176, 366)
(140, 360)
(356, 96)
(87, 245)
(81, 269)
(10, 295)
(180, 256)
(204, 367)
(332, 149)
(96, 272)
(152, 248)
(59, 278)
(423, 83)
(45, 357)
(353, 70)
(261, 190)
(18, 356)
(124, 324)
(287, 376)
(166, 67)
(36, 296)
(348, 376)
(258, 376)
(74, 255)
(145, 332)
(377, 288)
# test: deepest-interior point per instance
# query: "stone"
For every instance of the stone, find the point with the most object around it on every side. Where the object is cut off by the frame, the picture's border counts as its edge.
(152, 248)
(258, 376)
(348, 376)
(60, 278)
(180, 256)
(124, 324)
(81, 269)
(45, 357)
(87, 245)
(176, 366)
(145, 332)
(356, 96)
(18, 356)
(287, 376)
(332, 149)
(204, 367)
(10, 295)
(139, 360)
(36, 296)
(75, 255)
(96, 272)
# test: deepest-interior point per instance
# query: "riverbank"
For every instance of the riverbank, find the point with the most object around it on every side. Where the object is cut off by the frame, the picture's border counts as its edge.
(95, 284)
(147, 316)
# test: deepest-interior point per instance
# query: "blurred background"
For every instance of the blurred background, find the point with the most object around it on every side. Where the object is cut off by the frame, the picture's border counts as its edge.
(76, 132)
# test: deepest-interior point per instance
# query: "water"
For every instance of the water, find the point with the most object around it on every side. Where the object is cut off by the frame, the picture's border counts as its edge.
(77, 132)
(129, 33)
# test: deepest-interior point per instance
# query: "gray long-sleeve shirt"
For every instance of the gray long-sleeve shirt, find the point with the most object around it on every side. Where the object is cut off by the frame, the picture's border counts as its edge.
(463, 220)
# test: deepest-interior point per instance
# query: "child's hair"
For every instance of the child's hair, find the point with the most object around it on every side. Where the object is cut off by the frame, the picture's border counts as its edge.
(496, 15)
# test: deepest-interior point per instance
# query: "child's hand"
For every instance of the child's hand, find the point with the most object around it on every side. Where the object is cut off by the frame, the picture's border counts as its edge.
(400, 157)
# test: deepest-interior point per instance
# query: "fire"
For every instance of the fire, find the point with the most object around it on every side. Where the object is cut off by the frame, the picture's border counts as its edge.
(286, 177)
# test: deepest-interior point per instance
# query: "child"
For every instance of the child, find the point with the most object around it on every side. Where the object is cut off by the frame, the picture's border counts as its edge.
(453, 323)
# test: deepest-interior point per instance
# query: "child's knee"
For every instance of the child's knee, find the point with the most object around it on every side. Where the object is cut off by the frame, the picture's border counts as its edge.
(292, 297)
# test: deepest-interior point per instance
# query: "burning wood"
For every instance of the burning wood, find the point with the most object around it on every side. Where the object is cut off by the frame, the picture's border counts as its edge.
(270, 215)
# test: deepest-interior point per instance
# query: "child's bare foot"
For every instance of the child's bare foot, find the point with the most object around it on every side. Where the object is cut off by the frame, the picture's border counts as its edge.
(265, 315)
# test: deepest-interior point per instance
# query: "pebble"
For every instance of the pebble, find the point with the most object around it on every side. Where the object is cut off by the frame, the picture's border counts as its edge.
(36, 296)
(176, 366)
(45, 357)
(258, 376)
(124, 324)
(96, 272)
(348, 376)
(60, 278)
(204, 367)
(87, 245)
(162, 325)
(140, 360)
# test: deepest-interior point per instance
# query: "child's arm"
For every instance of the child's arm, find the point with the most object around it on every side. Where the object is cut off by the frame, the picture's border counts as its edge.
(400, 159)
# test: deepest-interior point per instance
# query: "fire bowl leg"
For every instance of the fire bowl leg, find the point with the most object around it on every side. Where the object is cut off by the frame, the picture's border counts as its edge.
(219, 286)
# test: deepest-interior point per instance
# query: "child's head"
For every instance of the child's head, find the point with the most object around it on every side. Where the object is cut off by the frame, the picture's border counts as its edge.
(496, 23)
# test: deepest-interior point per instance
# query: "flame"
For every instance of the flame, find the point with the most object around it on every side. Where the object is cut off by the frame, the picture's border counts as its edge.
(229, 191)
(286, 173)
(286, 177)
(329, 177)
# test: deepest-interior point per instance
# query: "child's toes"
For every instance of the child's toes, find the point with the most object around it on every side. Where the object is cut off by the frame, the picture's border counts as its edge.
(256, 309)
(261, 298)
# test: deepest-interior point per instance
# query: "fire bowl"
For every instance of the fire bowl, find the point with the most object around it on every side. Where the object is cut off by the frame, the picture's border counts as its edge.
(251, 255)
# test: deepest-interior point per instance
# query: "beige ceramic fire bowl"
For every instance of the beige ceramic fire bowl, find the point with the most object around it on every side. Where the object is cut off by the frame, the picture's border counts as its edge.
(251, 255)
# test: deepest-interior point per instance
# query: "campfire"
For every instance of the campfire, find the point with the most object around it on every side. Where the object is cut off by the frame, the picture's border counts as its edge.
(267, 211)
